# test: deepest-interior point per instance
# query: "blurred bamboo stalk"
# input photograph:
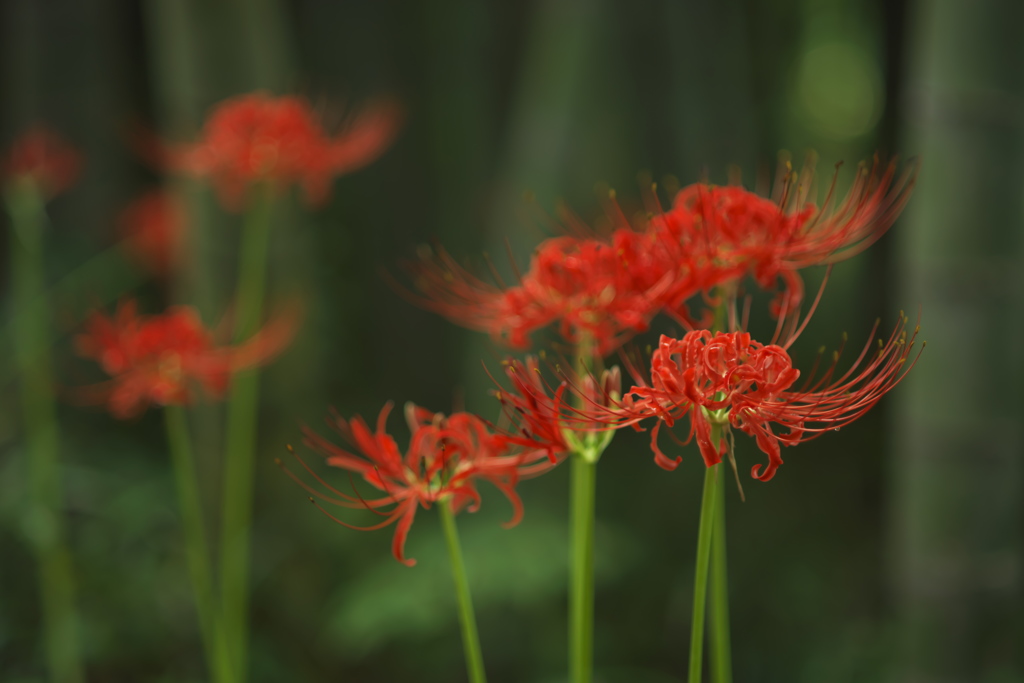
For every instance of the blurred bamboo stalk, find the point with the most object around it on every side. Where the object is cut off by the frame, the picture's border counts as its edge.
(45, 521)
(957, 540)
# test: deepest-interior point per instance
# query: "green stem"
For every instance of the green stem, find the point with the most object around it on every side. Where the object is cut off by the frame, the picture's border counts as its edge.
(467, 619)
(240, 440)
(700, 579)
(721, 653)
(721, 650)
(583, 485)
(31, 333)
(581, 595)
(196, 554)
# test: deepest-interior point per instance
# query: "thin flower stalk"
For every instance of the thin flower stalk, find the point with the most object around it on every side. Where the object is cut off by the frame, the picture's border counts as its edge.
(240, 436)
(467, 617)
(705, 534)
(196, 548)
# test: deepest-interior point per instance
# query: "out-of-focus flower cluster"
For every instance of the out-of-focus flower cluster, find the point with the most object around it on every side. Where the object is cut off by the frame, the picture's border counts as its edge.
(606, 288)
(258, 138)
(164, 359)
(40, 157)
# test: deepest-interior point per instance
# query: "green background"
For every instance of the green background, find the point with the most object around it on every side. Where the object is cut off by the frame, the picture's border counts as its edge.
(889, 552)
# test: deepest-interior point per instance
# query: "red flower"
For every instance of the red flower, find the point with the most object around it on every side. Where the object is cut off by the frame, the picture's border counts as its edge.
(602, 289)
(445, 459)
(161, 359)
(255, 138)
(726, 232)
(153, 227)
(544, 419)
(731, 380)
(41, 157)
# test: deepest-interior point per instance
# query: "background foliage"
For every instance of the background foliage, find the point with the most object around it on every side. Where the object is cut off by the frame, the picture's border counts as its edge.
(890, 552)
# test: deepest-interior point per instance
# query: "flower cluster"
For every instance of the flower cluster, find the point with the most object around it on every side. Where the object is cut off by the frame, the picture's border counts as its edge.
(605, 289)
(258, 138)
(163, 359)
(444, 461)
(727, 232)
(608, 288)
(543, 418)
(43, 158)
(731, 380)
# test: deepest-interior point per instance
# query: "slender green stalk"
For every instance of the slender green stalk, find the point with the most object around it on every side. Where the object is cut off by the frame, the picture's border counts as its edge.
(583, 485)
(467, 619)
(721, 651)
(700, 579)
(581, 596)
(196, 553)
(240, 440)
(31, 333)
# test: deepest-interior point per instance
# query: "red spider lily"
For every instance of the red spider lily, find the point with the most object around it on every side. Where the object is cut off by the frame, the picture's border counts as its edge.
(153, 227)
(544, 419)
(258, 138)
(41, 157)
(726, 232)
(161, 359)
(602, 289)
(734, 381)
(445, 459)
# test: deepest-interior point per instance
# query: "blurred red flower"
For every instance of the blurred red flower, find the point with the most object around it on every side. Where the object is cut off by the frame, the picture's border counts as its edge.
(727, 232)
(153, 227)
(258, 138)
(605, 289)
(600, 289)
(736, 382)
(445, 459)
(40, 156)
(162, 359)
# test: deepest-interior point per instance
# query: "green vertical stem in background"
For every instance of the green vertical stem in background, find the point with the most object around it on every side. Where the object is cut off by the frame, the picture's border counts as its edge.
(721, 650)
(581, 586)
(196, 552)
(467, 619)
(700, 578)
(240, 439)
(31, 334)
